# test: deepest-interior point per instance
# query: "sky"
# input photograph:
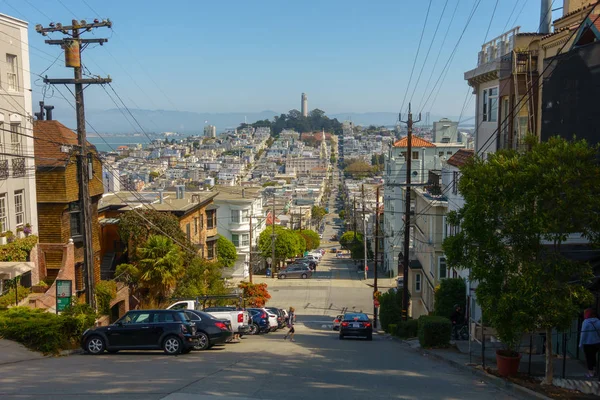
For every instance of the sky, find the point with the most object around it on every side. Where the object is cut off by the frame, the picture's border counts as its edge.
(250, 56)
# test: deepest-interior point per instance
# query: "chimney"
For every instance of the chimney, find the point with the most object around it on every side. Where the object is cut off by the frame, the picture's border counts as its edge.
(40, 115)
(48, 112)
(545, 16)
(161, 196)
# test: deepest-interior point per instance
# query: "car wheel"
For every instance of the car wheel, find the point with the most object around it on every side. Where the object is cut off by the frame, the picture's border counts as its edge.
(304, 276)
(341, 337)
(172, 345)
(281, 276)
(253, 329)
(203, 343)
(94, 345)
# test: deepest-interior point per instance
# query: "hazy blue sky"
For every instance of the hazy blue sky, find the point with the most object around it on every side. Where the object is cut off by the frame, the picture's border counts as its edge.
(230, 55)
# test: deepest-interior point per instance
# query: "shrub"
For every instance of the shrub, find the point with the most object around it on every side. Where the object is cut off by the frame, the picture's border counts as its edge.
(392, 329)
(18, 249)
(390, 308)
(434, 331)
(408, 329)
(42, 331)
(450, 292)
(106, 291)
(8, 298)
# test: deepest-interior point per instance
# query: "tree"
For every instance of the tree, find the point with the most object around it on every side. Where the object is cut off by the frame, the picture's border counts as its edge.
(161, 266)
(226, 252)
(519, 209)
(288, 243)
(349, 237)
(255, 294)
(342, 214)
(202, 277)
(311, 239)
(358, 168)
(318, 213)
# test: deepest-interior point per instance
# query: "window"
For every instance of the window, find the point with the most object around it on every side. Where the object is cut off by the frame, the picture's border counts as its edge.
(15, 138)
(441, 154)
(210, 253)
(19, 209)
(454, 182)
(449, 153)
(211, 219)
(188, 231)
(245, 239)
(13, 82)
(75, 217)
(140, 318)
(235, 239)
(235, 216)
(417, 282)
(163, 317)
(245, 216)
(415, 155)
(443, 271)
(490, 104)
(3, 214)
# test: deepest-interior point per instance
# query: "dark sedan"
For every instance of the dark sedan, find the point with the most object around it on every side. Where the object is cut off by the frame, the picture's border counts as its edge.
(259, 321)
(169, 330)
(356, 325)
(210, 330)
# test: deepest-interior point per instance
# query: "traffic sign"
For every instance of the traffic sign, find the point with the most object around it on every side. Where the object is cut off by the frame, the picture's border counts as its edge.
(269, 260)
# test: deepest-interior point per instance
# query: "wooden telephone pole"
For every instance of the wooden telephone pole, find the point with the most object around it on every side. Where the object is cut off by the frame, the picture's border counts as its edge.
(409, 124)
(376, 236)
(73, 45)
(250, 259)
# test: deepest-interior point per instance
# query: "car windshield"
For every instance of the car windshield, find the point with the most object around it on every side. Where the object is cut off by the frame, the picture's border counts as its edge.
(356, 317)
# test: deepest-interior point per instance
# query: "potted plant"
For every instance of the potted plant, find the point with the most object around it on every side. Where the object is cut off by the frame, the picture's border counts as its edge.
(27, 230)
(20, 233)
(3, 238)
(10, 236)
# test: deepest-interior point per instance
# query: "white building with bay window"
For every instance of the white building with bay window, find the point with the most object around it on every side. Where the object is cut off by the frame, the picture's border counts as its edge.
(17, 167)
(237, 207)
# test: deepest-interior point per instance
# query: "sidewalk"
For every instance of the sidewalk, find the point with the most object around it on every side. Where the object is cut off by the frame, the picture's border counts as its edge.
(471, 359)
(13, 352)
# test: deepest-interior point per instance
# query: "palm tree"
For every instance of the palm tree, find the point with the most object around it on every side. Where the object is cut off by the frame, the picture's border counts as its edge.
(161, 266)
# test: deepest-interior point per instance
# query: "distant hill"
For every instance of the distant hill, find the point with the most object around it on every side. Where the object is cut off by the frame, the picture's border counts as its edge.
(157, 121)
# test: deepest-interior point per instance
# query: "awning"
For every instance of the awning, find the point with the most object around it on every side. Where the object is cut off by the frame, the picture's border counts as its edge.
(415, 264)
(211, 207)
(109, 221)
(212, 238)
(9, 270)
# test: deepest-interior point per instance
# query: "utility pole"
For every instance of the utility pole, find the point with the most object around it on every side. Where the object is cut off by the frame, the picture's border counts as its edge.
(364, 231)
(73, 46)
(409, 124)
(354, 216)
(375, 308)
(273, 241)
(250, 266)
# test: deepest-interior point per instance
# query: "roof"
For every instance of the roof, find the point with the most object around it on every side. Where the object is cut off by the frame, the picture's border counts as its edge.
(574, 12)
(50, 136)
(246, 194)
(461, 157)
(124, 201)
(416, 142)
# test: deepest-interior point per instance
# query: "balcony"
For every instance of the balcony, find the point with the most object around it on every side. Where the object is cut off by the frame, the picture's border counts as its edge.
(18, 167)
(4, 174)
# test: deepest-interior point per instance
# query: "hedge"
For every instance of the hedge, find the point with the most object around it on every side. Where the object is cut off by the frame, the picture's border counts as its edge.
(434, 331)
(390, 309)
(8, 299)
(45, 332)
(392, 329)
(408, 329)
(450, 292)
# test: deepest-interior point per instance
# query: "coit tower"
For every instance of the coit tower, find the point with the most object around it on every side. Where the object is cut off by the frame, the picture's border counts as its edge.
(304, 105)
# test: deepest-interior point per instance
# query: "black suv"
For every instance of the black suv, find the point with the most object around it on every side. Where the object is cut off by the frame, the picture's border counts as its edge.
(170, 330)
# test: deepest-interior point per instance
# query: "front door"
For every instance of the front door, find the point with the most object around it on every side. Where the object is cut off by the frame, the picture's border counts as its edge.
(142, 329)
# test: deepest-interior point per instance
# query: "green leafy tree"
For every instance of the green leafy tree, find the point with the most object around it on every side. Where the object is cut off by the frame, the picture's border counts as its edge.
(201, 277)
(342, 214)
(161, 266)
(520, 208)
(450, 292)
(288, 243)
(349, 238)
(318, 213)
(226, 252)
(311, 239)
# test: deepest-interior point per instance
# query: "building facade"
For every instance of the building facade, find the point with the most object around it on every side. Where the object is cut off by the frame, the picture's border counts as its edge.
(17, 167)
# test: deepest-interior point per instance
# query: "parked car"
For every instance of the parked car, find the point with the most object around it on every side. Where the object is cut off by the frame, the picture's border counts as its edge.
(304, 261)
(357, 325)
(239, 319)
(210, 330)
(260, 321)
(170, 330)
(295, 271)
(337, 322)
(280, 316)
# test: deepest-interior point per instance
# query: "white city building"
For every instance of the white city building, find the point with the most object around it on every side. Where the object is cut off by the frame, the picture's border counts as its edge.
(17, 167)
(237, 206)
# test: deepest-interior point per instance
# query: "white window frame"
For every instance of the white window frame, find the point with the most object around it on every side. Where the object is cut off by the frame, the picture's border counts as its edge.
(4, 212)
(12, 76)
(20, 208)
(15, 137)
(245, 216)
(236, 216)
(490, 104)
(245, 239)
(418, 282)
(440, 267)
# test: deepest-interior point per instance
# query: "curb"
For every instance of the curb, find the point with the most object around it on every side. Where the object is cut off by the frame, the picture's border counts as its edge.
(70, 352)
(504, 385)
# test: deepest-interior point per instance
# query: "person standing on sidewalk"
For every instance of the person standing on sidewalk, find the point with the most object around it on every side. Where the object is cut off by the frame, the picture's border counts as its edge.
(590, 339)
(291, 321)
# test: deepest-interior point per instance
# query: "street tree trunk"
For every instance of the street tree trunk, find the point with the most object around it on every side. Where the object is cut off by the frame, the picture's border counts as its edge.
(549, 361)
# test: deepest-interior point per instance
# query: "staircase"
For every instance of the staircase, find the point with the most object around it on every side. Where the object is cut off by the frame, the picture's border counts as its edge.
(107, 270)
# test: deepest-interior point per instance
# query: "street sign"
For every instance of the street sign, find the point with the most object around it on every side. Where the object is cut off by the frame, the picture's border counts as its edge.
(63, 294)
(269, 260)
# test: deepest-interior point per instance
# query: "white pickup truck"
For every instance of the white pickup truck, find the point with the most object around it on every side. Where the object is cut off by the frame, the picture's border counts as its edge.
(239, 319)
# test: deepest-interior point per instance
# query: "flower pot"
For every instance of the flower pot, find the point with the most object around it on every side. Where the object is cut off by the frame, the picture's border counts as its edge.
(508, 362)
